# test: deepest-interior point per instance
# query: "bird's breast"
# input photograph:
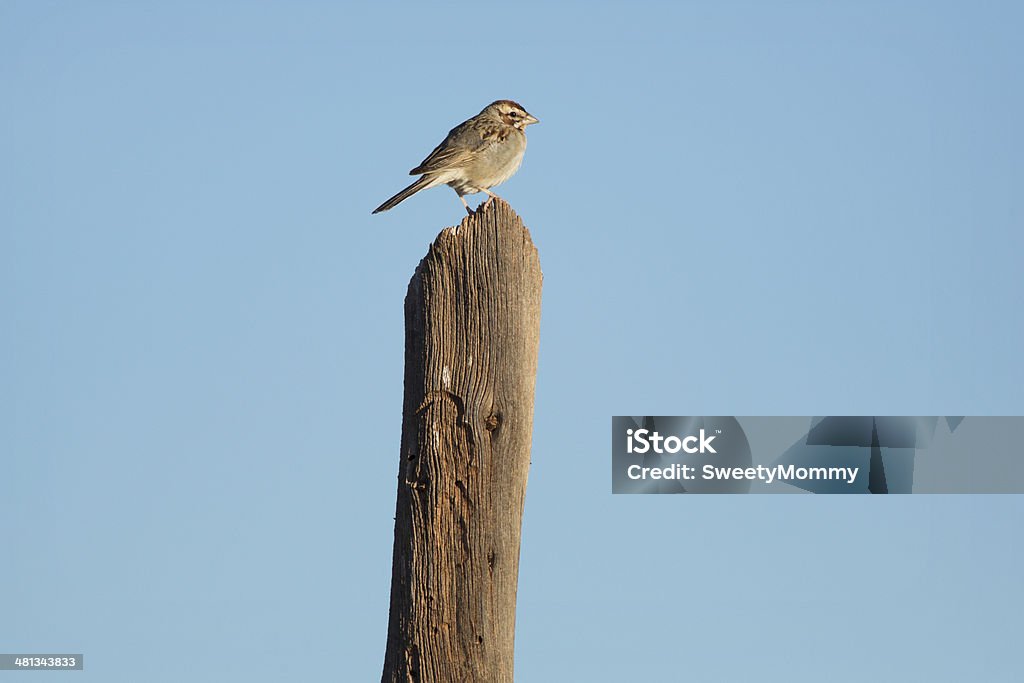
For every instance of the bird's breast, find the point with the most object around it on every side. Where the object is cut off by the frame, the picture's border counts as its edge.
(499, 162)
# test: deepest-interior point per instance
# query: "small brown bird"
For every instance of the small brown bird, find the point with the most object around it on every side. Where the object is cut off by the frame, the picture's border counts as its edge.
(478, 154)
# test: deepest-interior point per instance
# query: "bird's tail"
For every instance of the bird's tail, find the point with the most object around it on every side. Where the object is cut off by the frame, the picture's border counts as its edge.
(421, 184)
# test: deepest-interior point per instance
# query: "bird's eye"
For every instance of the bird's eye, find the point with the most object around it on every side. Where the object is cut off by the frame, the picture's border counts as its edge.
(513, 114)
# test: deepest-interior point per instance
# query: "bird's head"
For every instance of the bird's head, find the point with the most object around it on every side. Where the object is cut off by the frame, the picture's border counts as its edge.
(510, 113)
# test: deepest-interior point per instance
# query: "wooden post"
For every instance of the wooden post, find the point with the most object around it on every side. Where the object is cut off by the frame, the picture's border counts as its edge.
(472, 324)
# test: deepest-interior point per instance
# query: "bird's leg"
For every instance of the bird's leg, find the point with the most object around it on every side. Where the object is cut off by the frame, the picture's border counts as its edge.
(490, 195)
(465, 204)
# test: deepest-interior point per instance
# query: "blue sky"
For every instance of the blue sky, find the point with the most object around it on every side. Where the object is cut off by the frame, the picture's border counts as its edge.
(741, 208)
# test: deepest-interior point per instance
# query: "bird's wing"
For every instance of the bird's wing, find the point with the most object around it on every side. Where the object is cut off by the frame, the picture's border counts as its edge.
(463, 144)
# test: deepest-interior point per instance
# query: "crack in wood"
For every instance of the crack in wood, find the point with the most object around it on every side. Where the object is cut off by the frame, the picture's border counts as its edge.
(460, 417)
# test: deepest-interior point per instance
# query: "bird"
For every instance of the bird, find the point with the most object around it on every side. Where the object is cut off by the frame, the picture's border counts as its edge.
(477, 154)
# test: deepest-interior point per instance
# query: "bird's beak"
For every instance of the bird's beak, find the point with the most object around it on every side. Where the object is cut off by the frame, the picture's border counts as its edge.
(530, 118)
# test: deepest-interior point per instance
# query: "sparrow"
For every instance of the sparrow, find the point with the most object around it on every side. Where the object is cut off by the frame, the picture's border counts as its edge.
(478, 154)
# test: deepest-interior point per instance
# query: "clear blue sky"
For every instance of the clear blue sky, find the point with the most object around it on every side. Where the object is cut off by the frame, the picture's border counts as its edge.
(742, 208)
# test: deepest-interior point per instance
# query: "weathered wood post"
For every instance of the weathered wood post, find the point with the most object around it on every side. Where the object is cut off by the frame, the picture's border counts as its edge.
(472, 325)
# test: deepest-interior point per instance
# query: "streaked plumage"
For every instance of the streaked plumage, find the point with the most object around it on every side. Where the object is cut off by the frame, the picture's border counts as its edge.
(476, 155)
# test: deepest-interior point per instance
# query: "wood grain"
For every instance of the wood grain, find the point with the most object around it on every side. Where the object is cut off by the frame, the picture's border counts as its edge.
(472, 317)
